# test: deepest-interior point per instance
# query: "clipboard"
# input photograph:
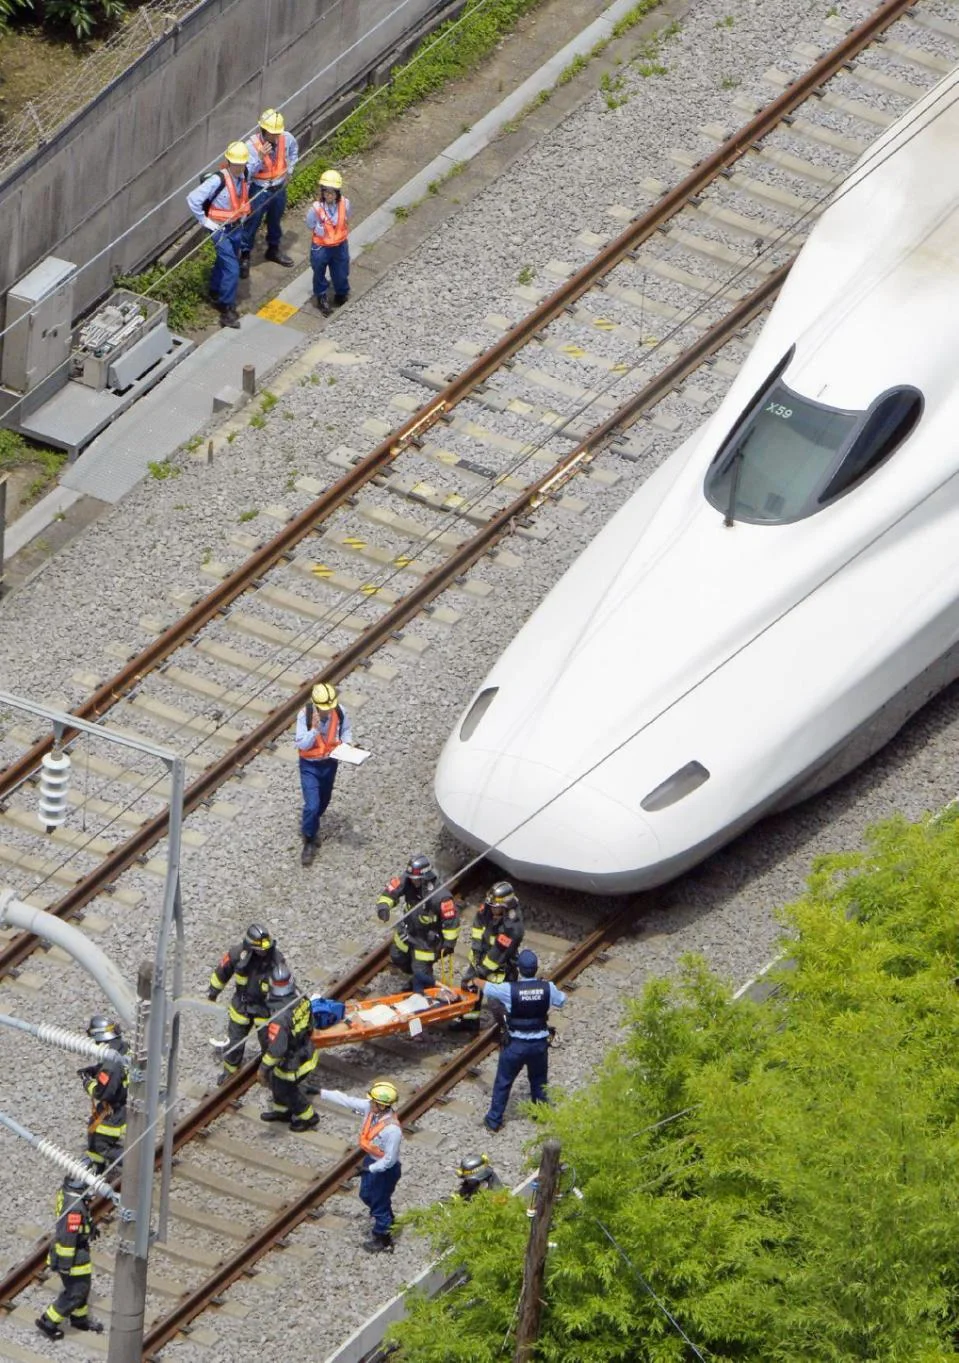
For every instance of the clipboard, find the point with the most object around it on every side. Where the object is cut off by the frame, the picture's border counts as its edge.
(346, 752)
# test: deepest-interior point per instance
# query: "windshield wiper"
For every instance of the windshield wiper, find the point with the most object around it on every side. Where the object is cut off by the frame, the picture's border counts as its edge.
(737, 463)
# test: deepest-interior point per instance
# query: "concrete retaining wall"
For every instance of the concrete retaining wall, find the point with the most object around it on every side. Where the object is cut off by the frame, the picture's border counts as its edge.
(150, 133)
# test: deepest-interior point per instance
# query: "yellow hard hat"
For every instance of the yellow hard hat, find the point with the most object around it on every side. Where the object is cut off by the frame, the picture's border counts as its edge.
(238, 153)
(323, 696)
(382, 1091)
(331, 179)
(271, 121)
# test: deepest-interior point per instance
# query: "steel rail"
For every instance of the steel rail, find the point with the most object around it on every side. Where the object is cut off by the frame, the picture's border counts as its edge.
(382, 630)
(219, 1100)
(436, 1087)
(472, 377)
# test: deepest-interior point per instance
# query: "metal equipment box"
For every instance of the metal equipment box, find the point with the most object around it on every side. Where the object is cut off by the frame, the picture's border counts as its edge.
(38, 321)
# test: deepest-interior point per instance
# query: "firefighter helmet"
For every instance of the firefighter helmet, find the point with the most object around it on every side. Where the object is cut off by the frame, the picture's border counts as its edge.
(331, 179)
(258, 938)
(419, 869)
(271, 121)
(324, 696)
(237, 154)
(101, 1028)
(384, 1093)
(282, 985)
(474, 1169)
(501, 896)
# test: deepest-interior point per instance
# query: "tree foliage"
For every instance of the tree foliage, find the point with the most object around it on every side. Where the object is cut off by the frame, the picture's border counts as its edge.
(83, 17)
(781, 1177)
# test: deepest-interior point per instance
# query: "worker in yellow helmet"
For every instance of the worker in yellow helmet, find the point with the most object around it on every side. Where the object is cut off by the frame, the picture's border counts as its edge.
(221, 204)
(329, 221)
(380, 1138)
(321, 726)
(275, 153)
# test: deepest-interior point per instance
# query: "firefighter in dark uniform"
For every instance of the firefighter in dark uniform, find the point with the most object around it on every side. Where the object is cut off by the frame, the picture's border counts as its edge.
(495, 939)
(289, 1056)
(476, 1173)
(106, 1084)
(431, 926)
(69, 1255)
(249, 965)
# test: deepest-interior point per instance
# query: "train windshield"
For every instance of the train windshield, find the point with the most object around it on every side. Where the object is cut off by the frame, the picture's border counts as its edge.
(778, 458)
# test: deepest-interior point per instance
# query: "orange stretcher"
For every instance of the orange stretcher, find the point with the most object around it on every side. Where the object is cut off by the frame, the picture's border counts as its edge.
(395, 1013)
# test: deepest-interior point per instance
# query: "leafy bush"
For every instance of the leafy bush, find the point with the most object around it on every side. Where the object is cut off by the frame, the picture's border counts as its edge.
(781, 1178)
(82, 16)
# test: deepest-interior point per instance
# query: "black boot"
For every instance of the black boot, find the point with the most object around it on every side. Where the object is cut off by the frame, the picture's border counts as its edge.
(305, 1123)
(271, 1115)
(48, 1327)
(87, 1323)
(309, 852)
(465, 1024)
(278, 256)
(323, 303)
(229, 317)
(245, 264)
(339, 299)
(379, 1244)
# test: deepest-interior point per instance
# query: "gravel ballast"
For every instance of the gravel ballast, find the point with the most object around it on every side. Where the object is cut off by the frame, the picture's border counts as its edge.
(92, 597)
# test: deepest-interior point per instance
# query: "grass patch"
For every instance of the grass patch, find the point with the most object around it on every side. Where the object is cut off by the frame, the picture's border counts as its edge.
(525, 275)
(16, 452)
(579, 63)
(162, 468)
(268, 401)
(245, 516)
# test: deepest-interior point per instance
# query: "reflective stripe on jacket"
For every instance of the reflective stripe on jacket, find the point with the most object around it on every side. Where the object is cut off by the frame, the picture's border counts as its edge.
(333, 232)
(324, 745)
(372, 1126)
(239, 205)
(272, 159)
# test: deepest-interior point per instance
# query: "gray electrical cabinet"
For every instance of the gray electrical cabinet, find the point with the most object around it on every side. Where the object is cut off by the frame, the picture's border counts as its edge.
(38, 324)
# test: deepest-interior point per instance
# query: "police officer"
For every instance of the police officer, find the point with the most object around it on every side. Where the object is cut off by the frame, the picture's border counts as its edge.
(289, 1056)
(526, 1003)
(69, 1255)
(476, 1173)
(495, 939)
(431, 925)
(106, 1083)
(380, 1138)
(221, 204)
(274, 153)
(321, 726)
(249, 965)
(328, 219)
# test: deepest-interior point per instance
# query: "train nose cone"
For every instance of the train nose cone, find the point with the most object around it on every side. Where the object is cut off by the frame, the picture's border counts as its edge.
(581, 836)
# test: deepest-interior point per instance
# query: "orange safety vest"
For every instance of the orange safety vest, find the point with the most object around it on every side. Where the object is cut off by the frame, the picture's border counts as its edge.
(239, 205)
(333, 233)
(270, 169)
(324, 746)
(372, 1127)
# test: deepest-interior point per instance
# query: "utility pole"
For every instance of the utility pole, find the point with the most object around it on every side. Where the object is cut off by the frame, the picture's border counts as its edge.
(130, 1273)
(531, 1297)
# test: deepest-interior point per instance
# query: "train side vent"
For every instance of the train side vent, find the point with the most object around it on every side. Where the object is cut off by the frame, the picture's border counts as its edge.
(476, 712)
(676, 787)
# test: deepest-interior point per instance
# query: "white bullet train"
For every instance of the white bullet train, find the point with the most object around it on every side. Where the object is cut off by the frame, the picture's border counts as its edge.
(779, 596)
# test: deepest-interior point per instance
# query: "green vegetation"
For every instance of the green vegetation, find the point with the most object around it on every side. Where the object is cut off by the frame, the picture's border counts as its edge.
(730, 83)
(18, 453)
(611, 87)
(245, 516)
(579, 63)
(268, 401)
(526, 275)
(727, 21)
(162, 468)
(781, 1177)
(83, 17)
(401, 212)
(258, 421)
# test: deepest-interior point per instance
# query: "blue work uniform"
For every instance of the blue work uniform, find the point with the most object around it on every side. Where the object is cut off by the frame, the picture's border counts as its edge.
(227, 238)
(326, 223)
(268, 188)
(526, 1004)
(317, 774)
(379, 1173)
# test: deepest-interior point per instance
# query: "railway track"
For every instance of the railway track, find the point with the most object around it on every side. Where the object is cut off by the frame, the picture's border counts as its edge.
(628, 287)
